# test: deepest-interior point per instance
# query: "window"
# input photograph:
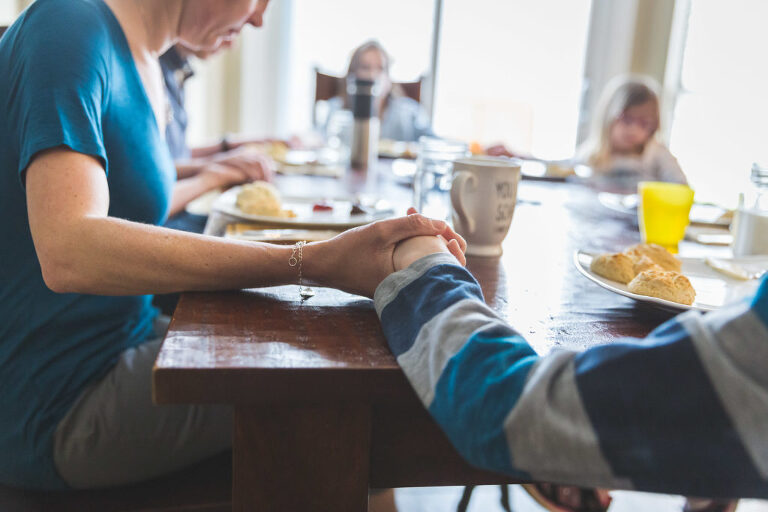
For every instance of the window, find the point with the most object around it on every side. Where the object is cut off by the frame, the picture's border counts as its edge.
(719, 122)
(324, 34)
(512, 72)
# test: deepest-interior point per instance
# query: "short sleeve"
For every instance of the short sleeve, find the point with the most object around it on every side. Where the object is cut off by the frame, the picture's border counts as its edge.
(60, 83)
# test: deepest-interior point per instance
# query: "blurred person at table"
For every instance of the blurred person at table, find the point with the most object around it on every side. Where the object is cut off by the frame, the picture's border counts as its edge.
(86, 181)
(623, 148)
(226, 160)
(683, 411)
(402, 118)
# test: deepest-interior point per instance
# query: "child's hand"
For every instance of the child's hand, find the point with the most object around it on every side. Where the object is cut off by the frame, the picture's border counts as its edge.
(417, 247)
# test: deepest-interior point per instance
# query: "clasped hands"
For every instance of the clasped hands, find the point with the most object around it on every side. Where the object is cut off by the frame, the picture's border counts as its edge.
(359, 259)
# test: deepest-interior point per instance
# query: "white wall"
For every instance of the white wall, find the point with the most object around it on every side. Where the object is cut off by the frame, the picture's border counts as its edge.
(9, 9)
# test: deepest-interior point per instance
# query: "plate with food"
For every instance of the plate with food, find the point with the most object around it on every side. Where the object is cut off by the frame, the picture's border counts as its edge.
(649, 273)
(398, 149)
(705, 214)
(261, 202)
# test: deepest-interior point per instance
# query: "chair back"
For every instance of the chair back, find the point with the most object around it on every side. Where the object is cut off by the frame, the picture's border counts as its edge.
(327, 86)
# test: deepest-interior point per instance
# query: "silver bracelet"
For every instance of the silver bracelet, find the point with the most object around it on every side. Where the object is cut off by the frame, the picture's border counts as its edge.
(296, 259)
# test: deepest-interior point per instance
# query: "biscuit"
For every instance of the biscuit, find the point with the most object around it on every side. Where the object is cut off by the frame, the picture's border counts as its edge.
(663, 284)
(645, 263)
(613, 266)
(261, 198)
(656, 253)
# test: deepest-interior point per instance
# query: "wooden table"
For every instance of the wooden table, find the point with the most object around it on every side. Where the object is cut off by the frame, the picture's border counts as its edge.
(322, 411)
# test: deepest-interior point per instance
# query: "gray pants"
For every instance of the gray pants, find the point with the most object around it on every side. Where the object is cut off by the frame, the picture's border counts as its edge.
(115, 435)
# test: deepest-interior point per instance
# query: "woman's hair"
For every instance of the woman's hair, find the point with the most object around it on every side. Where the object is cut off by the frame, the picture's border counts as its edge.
(354, 60)
(354, 65)
(621, 93)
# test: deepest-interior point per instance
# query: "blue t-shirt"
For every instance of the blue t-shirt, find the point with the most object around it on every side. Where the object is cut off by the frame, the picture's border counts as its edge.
(68, 79)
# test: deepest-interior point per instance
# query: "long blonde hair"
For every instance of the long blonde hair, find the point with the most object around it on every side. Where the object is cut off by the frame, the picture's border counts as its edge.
(621, 93)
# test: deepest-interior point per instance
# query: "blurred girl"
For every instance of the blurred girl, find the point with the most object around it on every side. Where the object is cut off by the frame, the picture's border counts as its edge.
(623, 147)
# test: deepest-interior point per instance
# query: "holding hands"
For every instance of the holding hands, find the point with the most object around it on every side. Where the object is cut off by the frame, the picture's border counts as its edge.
(412, 249)
(359, 259)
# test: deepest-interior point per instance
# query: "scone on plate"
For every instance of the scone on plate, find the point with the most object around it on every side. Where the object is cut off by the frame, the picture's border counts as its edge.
(614, 266)
(261, 198)
(656, 253)
(663, 284)
(645, 263)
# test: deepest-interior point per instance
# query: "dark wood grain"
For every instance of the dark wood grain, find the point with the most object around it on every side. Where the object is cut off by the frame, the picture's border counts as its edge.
(281, 361)
(309, 457)
(409, 450)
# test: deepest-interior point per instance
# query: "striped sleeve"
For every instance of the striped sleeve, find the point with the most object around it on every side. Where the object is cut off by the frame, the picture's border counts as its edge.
(683, 411)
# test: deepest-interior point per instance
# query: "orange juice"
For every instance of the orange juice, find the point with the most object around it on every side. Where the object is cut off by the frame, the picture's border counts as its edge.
(663, 212)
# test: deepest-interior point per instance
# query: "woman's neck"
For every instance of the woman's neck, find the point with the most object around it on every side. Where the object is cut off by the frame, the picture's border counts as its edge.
(150, 26)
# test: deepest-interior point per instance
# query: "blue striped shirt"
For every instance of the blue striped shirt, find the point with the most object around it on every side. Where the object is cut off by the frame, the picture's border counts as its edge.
(682, 411)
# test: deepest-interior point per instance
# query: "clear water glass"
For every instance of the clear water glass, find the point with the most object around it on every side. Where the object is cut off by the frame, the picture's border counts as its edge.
(339, 134)
(434, 169)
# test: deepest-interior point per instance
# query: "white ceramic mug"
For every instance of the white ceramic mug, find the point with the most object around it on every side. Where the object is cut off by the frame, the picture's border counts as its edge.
(483, 198)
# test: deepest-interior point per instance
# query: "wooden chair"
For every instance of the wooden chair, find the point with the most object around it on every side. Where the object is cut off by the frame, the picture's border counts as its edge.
(205, 487)
(2, 30)
(328, 86)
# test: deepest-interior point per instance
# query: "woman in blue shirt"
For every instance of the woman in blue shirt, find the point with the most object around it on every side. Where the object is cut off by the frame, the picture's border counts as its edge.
(85, 180)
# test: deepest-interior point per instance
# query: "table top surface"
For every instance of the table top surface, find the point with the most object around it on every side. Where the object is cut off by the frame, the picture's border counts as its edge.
(265, 344)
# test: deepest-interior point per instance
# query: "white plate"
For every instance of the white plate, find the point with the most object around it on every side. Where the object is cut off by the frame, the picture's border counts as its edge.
(713, 289)
(340, 217)
(701, 213)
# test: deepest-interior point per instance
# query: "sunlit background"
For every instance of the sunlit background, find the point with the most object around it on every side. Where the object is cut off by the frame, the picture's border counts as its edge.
(523, 72)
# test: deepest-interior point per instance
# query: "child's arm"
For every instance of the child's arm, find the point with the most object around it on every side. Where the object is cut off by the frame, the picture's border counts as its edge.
(684, 411)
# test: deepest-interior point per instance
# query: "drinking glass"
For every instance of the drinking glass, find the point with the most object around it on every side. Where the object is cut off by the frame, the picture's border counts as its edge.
(432, 181)
(339, 134)
(663, 212)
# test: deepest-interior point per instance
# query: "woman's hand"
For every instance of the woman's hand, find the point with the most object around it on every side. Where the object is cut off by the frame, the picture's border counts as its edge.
(359, 259)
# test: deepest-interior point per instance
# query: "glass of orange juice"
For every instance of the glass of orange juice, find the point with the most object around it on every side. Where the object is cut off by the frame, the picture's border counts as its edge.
(663, 212)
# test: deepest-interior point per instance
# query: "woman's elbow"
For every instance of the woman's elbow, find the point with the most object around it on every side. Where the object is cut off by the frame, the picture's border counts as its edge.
(59, 276)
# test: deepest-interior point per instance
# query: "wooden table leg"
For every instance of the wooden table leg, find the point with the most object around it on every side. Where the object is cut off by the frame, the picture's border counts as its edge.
(301, 458)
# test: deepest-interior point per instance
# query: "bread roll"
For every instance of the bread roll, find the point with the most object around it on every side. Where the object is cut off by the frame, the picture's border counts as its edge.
(663, 284)
(656, 253)
(613, 266)
(645, 263)
(261, 198)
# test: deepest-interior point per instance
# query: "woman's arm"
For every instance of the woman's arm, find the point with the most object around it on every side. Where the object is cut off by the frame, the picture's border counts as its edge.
(684, 411)
(83, 250)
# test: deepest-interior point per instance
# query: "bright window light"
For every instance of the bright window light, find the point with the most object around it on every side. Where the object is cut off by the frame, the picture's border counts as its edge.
(719, 126)
(512, 71)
